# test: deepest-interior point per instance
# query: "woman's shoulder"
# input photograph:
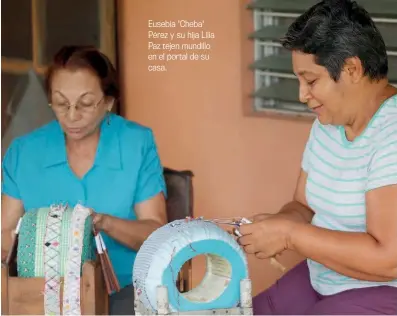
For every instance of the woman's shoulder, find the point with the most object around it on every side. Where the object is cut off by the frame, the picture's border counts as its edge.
(129, 130)
(383, 124)
(35, 138)
(128, 125)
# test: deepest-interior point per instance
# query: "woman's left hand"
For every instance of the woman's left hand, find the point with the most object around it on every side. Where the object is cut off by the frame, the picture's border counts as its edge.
(268, 237)
(99, 221)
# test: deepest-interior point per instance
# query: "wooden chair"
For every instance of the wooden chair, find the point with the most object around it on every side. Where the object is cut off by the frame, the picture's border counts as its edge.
(23, 296)
(179, 206)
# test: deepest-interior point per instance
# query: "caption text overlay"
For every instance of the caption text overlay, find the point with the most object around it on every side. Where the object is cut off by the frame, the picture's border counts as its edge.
(177, 41)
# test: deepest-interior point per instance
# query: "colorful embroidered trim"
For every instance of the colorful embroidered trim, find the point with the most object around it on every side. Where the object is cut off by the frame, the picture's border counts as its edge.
(51, 260)
(71, 290)
(26, 245)
(41, 224)
(30, 252)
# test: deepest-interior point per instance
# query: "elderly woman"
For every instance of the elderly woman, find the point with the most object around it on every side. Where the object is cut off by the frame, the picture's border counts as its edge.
(343, 217)
(89, 155)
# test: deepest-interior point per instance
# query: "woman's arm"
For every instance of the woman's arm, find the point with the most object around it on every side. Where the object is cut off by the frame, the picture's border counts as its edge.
(149, 207)
(296, 210)
(11, 203)
(373, 253)
(151, 215)
(11, 210)
(369, 256)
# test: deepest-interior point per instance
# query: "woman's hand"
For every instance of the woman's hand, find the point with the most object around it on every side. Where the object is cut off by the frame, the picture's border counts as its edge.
(151, 215)
(99, 221)
(267, 237)
(4, 253)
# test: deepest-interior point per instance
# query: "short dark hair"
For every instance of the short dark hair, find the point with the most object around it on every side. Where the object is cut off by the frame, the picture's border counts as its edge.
(334, 30)
(85, 57)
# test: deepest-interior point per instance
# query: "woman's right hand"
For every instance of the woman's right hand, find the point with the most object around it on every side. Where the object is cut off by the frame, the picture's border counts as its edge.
(7, 243)
(265, 216)
(4, 254)
(11, 211)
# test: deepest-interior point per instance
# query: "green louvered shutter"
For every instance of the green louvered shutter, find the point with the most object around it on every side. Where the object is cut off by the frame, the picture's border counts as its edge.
(276, 87)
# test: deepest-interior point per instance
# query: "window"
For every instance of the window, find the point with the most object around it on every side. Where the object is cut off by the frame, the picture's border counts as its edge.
(33, 30)
(276, 87)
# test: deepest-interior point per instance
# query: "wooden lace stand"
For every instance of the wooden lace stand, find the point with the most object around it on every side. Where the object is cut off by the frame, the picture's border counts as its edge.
(24, 296)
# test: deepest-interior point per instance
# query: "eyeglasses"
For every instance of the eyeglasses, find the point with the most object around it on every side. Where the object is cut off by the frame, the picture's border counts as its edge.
(83, 107)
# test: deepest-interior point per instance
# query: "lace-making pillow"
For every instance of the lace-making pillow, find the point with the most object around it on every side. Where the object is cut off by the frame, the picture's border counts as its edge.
(31, 242)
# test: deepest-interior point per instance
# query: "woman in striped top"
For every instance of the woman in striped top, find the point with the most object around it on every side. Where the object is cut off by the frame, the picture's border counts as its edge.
(343, 217)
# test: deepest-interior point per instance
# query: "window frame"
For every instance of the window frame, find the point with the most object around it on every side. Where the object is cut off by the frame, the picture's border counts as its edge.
(264, 78)
(108, 27)
(21, 67)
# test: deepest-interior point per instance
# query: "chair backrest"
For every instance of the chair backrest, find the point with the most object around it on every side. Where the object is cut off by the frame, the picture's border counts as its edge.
(179, 205)
(180, 193)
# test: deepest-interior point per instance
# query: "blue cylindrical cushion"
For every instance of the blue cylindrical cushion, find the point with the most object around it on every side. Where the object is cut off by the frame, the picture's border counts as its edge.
(161, 257)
